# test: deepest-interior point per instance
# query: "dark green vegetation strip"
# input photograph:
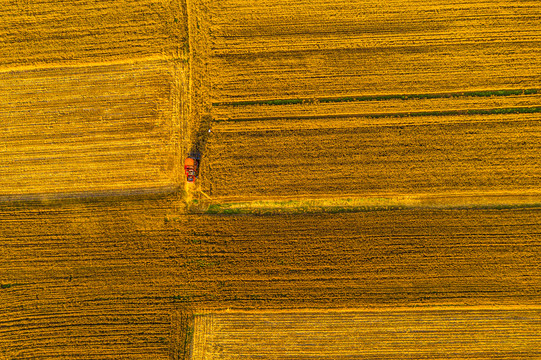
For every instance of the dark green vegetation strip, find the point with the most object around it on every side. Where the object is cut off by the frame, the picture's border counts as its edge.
(7, 285)
(494, 111)
(484, 93)
(225, 209)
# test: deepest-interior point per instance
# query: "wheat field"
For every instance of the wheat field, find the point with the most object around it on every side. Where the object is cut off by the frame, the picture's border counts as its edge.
(118, 277)
(398, 334)
(369, 183)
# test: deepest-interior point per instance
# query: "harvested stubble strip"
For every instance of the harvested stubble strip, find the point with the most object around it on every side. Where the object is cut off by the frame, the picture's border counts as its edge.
(80, 129)
(335, 49)
(435, 333)
(276, 25)
(46, 33)
(362, 156)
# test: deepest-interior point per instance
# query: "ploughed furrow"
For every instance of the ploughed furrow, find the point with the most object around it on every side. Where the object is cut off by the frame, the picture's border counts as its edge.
(66, 130)
(377, 258)
(275, 49)
(324, 157)
(458, 333)
(44, 32)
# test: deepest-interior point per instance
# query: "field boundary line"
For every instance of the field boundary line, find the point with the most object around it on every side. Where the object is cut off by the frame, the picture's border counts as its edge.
(425, 308)
(375, 203)
(517, 193)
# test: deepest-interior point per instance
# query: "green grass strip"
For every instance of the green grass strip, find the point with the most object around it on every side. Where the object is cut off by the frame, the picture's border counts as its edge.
(302, 206)
(484, 93)
(512, 110)
(348, 205)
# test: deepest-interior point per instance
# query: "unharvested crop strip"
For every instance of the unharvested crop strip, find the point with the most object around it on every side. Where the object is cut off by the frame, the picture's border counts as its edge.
(493, 111)
(484, 93)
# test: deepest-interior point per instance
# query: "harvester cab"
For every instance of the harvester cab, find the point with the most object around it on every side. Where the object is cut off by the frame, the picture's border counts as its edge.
(191, 169)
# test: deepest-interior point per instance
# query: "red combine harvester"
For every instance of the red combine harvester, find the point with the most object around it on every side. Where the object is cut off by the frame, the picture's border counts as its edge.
(190, 169)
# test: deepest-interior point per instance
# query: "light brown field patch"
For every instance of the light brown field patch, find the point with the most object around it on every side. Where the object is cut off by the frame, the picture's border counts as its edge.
(363, 157)
(41, 33)
(459, 333)
(86, 129)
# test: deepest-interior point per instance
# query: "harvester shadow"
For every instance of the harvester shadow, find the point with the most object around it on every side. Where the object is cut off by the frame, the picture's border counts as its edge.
(201, 137)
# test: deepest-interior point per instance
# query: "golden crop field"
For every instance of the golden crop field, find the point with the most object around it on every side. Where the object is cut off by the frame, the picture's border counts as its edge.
(398, 334)
(86, 280)
(358, 99)
(90, 96)
(85, 129)
(369, 183)
(275, 49)
(50, 33)
(322, 157)
(115, 277)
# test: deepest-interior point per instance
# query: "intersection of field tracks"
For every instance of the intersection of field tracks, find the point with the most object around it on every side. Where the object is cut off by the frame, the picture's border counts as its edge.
(102, 278)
